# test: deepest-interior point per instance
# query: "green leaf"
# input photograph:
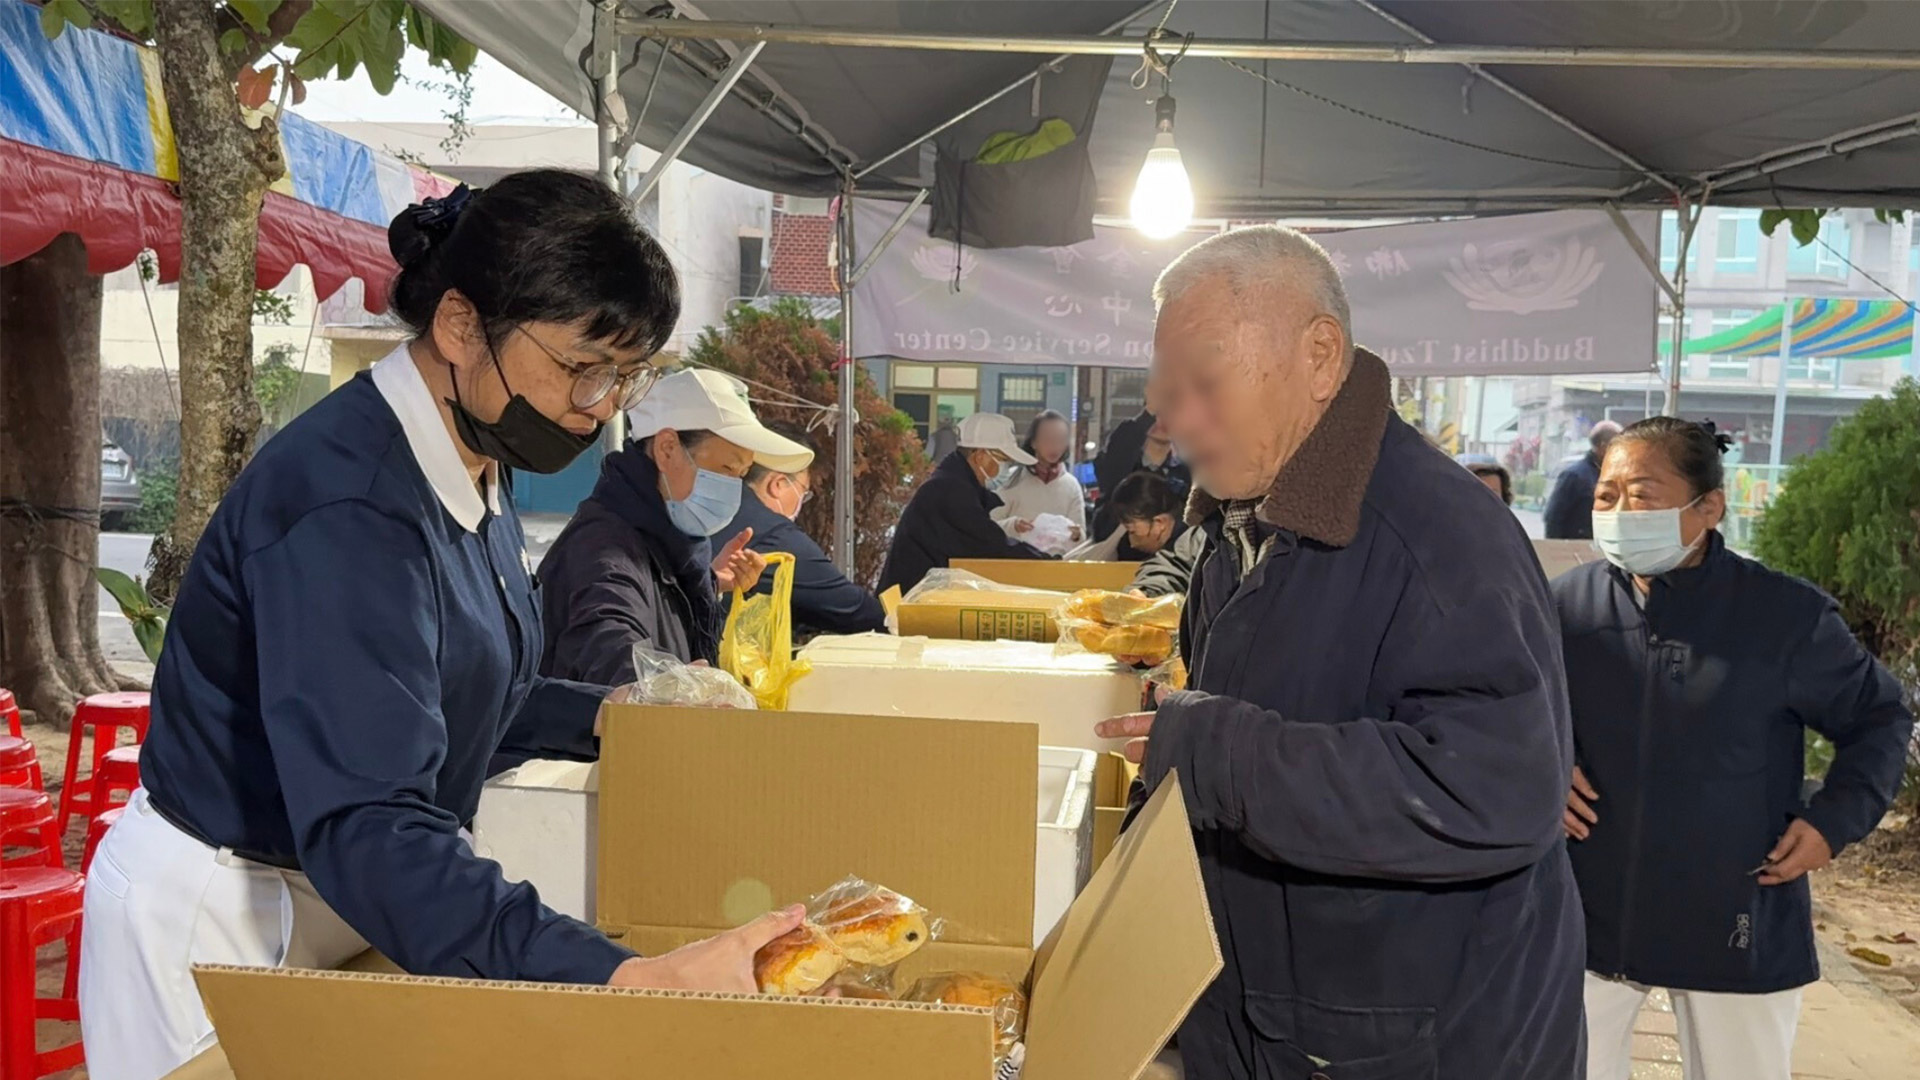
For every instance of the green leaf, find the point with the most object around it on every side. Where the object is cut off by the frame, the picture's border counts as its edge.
(52, 22)
(134, 16)
(128, 593)
(151, 633)
(1806, 226)
(253, 12)
(1770, 220)
(232, 42)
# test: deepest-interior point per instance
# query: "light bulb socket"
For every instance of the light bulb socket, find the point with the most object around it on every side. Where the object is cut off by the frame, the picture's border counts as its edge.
(1163, 113)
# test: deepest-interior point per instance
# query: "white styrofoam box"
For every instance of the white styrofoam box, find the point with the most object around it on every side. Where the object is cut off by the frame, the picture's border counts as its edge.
(882, 675)
(537, 822)
(1063, 851)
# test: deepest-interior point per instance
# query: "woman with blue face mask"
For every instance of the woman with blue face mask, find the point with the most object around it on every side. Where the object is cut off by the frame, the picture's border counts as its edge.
(634, 566)
(1693, 673)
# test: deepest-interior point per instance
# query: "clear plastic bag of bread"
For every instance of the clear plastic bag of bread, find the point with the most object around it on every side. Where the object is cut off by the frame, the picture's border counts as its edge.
(660, 679)
(980, 991)
(1137, 629)
(944, 585)
(856, 926)
(1171, 675)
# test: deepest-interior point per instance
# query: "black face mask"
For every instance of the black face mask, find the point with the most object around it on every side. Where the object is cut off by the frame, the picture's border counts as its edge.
(523, 438)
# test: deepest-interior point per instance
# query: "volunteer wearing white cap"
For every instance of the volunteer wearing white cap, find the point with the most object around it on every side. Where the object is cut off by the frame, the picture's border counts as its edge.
(951, 516)
(634, 566)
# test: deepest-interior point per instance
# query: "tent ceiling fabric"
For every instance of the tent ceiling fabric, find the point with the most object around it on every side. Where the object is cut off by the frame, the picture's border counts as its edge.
(1339, 138)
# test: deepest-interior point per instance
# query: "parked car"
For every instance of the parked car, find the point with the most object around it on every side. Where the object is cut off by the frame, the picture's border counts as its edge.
(119, 487)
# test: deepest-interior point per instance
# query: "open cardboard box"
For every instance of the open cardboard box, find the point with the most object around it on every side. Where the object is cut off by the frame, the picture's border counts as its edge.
(704, 821)
(1112, 781)
(1010, 614)
(1056, 574)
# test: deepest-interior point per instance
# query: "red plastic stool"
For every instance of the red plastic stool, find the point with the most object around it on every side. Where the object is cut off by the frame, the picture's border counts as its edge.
(106, 714)
(37, 907)
(11, 710)
(26, 820)
(114, 778)
(19, 765)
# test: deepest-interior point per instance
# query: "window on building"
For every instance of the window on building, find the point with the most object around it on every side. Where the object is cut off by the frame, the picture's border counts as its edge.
(1022, 397)
(1827, 256)
(1820, 370)
(1670, 245)
(753, 275)
(1729, 367)
(1126, 396)
(1737, 250)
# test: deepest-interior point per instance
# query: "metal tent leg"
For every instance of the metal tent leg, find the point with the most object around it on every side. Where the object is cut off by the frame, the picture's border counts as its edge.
(843, 486)
(609, 115)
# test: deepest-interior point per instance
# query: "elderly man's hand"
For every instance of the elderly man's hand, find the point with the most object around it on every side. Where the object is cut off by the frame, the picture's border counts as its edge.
(738, 566)
(1578, 817)
(1134, 727)
(1022, 525)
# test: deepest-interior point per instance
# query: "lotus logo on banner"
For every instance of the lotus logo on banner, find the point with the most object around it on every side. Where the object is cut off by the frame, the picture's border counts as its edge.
(1521, 278)
(944, 262)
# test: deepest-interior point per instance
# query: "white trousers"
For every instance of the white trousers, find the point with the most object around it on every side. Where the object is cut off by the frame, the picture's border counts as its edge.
(158, 902)
(1722, 1036)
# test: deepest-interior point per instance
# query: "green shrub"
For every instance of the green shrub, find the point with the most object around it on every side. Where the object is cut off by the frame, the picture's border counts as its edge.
(159, 488)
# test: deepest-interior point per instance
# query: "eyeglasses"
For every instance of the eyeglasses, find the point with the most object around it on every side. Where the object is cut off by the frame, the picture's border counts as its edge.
(593, 382)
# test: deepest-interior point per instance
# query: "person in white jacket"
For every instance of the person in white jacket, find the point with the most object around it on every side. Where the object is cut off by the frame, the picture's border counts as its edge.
(1047, 486)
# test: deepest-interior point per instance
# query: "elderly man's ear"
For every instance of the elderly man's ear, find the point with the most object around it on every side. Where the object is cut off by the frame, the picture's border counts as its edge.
(1327, 352)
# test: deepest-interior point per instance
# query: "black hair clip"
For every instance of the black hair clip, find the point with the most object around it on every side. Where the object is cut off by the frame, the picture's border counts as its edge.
(419, 227)
(1720, 438)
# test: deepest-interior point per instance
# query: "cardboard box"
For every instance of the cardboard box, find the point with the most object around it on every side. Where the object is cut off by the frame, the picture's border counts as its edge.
(982, 615)
(538, 821)
(1065, 694)
(1055, 574)
(1559, 556)
(1112, 780)
(782, 804)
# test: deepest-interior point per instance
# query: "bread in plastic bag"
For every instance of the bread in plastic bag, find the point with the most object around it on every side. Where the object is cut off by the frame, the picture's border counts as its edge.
(660, 679)
(1172, 674)
(854, 924)
(949, 586)
(1136, 628)
(1124, 609)
(981, 991)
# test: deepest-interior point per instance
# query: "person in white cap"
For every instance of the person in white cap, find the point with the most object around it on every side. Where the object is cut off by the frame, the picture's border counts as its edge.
(951, 516)
(634, 566)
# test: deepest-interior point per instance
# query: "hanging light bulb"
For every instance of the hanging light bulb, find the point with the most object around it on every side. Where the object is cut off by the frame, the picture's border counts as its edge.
(1162, 203)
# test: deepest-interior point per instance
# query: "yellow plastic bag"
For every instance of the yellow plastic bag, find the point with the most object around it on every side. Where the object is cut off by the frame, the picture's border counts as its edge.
(757, 645)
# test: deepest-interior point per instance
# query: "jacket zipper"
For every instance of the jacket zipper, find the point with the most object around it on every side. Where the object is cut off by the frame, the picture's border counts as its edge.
(1629, 880)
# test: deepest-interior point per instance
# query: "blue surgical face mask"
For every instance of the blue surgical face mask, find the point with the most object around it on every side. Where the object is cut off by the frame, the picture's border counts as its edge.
(707, 509)
(1645, 543)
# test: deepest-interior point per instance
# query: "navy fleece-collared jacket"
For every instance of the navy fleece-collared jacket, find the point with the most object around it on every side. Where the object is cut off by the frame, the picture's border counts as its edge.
(1375, 754)
(1689, 718)
(825, 601)
(341, 663)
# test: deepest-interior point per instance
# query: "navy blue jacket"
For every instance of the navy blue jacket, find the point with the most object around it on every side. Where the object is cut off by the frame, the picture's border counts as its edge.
(1375, 754)
(1569, 513)
(950, 517)
(342, 660)
(622, 574)
(1688, 721)
(824, 600)
(1120, 457)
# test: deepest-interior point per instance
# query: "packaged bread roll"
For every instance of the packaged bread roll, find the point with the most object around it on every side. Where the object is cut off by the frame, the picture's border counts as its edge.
(1148, 643)
(982, 991)
(800, 961)
(873, 925)
(1124, 609)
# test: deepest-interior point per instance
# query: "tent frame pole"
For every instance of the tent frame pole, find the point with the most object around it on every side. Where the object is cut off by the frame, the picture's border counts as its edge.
(843, 435)
(1346, 52)
(1689, 211)
(608, 110)
(1138, 14)
(699, 118)
(1788, 309)
(886, 238)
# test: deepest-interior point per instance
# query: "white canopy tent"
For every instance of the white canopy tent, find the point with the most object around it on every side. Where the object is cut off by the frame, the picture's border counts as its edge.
(1327, 108)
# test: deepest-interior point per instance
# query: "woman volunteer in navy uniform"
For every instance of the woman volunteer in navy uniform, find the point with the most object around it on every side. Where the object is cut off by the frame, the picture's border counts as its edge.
(356, 630)
(1692, 673)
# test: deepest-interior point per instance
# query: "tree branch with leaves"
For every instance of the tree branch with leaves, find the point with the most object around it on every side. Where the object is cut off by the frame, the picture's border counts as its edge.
(221, 63)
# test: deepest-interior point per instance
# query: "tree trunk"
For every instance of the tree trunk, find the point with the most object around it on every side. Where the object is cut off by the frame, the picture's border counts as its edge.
(225, 168)
(50, 482)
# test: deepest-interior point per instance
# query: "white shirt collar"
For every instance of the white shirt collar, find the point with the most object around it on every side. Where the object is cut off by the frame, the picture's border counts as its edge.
(399, 382)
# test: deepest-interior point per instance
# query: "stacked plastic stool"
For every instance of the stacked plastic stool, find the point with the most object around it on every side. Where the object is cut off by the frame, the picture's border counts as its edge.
(38, 906)
(104, 716)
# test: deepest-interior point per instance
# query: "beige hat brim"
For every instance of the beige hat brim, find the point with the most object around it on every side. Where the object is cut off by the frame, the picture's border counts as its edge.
(769, 448)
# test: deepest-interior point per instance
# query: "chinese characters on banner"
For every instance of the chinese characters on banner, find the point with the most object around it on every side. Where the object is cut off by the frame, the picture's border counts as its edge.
(1559, 292)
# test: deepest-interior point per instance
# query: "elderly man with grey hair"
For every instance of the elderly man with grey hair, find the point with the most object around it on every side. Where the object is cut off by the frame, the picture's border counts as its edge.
(1374, 746)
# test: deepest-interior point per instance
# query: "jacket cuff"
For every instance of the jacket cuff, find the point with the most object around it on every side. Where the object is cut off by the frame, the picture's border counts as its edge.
(1197, 734)
(1826, 820)
(574, 952)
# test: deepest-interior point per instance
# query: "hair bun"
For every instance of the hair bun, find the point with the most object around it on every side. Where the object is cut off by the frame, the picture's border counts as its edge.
(415, 230)
(1720, 438)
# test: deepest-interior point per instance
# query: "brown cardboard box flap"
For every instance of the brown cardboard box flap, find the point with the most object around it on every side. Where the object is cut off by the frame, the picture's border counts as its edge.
(209, 1064)
(1060, 575)
(310, 1025)
(1134, 953)
(709, 817)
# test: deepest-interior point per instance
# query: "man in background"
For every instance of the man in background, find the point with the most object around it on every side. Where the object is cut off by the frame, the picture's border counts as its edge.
(1137, 445)
(824, 600)
(951, 516)
(1569, 513)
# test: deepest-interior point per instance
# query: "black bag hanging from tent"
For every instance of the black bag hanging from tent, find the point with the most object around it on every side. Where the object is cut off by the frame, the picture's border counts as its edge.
(1012, 175)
